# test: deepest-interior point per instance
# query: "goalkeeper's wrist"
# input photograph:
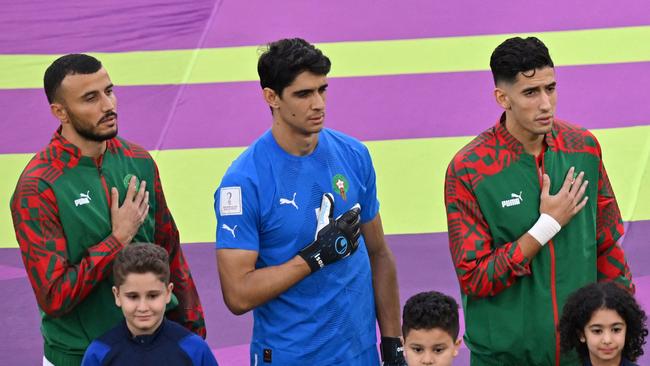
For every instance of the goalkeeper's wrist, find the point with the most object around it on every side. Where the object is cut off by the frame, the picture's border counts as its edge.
(544, 229)
(392, 350)
(312, 257)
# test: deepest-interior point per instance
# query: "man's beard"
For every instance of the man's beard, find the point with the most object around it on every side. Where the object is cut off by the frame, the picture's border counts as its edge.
(88, 131)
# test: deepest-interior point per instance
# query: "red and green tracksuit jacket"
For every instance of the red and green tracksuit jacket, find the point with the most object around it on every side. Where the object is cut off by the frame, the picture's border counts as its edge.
(492, 196)
(61, 215)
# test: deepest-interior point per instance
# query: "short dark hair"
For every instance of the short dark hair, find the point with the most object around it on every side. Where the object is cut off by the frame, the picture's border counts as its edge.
(141, 258)
(283, 60)
(63, 66)
(429, 310)
(517, 55)
(581, 306)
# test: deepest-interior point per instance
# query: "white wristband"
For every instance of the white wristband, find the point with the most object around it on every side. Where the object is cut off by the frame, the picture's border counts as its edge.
(544, 229)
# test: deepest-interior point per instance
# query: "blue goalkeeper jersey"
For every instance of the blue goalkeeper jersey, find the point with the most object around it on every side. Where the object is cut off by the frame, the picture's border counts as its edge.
(267, 202)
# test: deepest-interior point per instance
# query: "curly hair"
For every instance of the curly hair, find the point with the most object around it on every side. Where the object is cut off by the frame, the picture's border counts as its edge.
(428, 310)
(141, 258)
(518, 55)
(582, 304)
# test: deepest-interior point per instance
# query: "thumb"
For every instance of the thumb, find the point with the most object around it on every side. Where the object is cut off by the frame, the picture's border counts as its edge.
(327, 206)
(546, 184)
(326, 211)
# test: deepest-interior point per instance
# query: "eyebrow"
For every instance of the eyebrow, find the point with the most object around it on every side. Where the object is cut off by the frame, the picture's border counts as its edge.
(423, 346)
(602, 326)
(92, 92)
(324, 86)
(135, 291)
(539, 86)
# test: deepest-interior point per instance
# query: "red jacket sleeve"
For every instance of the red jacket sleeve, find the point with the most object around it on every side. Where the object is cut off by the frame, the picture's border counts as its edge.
(189, 311)
(482, 269)
(609, 229)
(58, 284)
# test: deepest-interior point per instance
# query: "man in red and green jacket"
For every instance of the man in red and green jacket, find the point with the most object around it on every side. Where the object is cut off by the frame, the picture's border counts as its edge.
(531, 217)
(78, 203)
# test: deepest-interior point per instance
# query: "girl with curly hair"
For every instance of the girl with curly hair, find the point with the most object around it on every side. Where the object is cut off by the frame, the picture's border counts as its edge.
(604, 324)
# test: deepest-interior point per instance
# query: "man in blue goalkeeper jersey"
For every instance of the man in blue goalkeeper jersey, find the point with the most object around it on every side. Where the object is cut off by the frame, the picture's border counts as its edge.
(299, 236)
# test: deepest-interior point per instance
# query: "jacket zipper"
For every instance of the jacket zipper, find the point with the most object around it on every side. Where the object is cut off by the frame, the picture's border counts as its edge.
(98, 164)
(551, 247)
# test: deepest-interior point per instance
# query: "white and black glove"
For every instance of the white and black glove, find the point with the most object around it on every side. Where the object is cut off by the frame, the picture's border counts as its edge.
(392, 352)
(335, 239)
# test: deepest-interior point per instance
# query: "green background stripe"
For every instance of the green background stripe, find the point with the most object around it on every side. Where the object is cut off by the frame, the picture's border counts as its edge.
(410, 177)
(429, 55)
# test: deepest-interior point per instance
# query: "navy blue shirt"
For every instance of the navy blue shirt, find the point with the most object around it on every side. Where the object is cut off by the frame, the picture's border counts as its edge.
(170, 344)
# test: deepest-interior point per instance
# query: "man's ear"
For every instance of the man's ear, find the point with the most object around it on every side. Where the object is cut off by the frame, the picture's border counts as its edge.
(271, 97)
(501, 98)
(59, 112)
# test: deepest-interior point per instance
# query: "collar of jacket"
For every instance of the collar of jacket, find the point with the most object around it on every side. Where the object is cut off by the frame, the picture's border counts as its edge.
(61, 144)
(513, 144)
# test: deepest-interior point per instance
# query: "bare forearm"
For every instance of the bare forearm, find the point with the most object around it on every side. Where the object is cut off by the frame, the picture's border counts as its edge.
(259, 286)
(529, 246)
(384, 280)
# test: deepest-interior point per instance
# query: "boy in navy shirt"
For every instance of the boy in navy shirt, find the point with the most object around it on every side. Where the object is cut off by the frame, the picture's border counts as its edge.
(430, 327)
(142, 290)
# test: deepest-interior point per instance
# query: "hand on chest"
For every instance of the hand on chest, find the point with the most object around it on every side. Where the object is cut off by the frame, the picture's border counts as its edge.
(290, 217)
(510, 200)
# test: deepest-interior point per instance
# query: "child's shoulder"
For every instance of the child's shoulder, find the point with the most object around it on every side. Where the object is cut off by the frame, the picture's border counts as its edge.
(174, 330)
(100, 347)
(182, 336)
(95, 353)
(194, 346)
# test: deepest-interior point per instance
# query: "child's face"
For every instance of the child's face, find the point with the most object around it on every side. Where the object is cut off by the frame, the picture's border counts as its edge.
(605, 336)
(143, 298)
(430, 347)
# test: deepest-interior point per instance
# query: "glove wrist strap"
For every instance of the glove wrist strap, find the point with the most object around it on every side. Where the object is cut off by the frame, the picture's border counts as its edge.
(392, 351)
(312, 258)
